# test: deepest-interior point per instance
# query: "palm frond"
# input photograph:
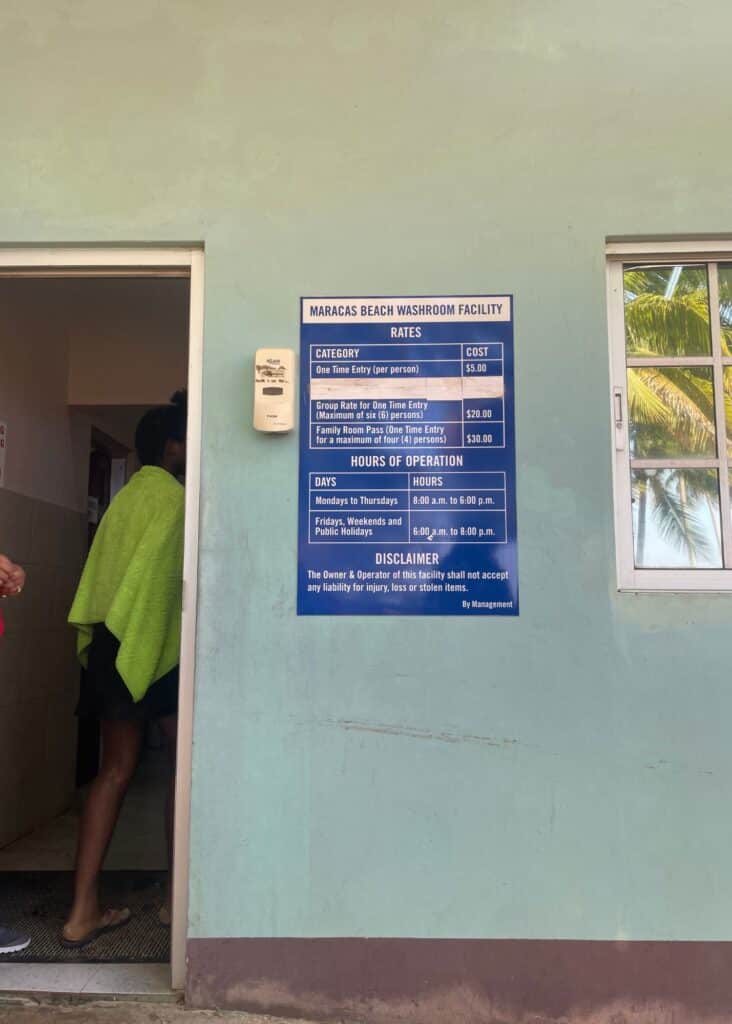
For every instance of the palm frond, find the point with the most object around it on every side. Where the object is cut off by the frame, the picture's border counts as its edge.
(676, 524)
(725, 287)
(698, 483)
(670, 327)
(644, 279)
(691, 426)
(644, 404)
(696, 384)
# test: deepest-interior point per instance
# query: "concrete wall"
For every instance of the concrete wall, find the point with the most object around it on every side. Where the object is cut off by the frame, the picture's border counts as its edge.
(564, 775)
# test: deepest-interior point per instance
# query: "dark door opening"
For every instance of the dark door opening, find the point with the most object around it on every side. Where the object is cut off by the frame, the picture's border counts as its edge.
(83, 358)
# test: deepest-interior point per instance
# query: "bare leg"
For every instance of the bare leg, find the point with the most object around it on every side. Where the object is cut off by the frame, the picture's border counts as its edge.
(169, 728)
(120, 750)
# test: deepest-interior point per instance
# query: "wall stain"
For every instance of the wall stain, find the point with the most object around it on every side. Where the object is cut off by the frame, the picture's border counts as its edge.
(679, 767)
(441, 736)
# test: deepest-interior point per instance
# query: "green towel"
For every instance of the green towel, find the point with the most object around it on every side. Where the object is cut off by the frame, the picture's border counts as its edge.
(132, 580)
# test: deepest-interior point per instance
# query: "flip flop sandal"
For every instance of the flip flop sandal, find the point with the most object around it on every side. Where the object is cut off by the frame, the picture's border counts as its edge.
(97, 933)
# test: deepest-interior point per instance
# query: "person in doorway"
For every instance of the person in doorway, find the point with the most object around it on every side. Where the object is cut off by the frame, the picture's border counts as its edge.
(127, 612)
(12, 581)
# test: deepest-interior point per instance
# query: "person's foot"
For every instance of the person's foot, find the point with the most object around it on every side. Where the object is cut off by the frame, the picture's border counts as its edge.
(81, 933)
(13, 942)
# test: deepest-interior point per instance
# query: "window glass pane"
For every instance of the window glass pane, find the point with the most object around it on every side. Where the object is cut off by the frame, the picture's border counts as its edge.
(676, 520)
(671, 412)
(728, 407)
(725, 306)
(666, 311)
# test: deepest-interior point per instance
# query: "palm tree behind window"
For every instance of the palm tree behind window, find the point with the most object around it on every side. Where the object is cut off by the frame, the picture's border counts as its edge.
(671, 408)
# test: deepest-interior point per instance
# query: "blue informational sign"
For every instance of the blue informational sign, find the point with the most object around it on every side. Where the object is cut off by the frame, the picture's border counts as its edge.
(407, 461)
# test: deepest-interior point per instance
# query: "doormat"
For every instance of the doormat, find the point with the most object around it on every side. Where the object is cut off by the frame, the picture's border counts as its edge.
(37, 902)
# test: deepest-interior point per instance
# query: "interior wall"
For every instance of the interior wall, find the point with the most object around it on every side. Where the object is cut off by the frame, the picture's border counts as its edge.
(47, 447)
(137, 356)
(43, 527)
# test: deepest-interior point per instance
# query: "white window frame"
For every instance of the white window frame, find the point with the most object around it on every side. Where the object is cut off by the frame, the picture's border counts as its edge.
(629, 578)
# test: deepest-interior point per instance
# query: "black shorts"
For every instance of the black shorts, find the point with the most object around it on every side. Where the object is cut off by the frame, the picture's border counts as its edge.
(104, 694)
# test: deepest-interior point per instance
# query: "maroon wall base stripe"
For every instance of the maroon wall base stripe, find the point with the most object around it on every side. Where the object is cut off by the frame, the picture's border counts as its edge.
(465, 981)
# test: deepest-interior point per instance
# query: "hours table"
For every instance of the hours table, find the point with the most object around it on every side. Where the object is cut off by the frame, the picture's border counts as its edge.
(408, 508)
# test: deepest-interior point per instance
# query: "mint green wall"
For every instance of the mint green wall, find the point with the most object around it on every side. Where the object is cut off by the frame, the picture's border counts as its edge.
(565, 774)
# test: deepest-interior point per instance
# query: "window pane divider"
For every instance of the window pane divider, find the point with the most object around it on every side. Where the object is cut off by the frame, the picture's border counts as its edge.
(721, 420)
(664, 463)
(670, 361)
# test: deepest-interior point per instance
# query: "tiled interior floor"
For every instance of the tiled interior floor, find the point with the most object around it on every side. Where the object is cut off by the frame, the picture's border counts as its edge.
(139, 842)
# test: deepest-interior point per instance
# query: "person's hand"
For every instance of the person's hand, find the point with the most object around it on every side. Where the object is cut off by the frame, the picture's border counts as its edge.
(12, 577)
(6, 569)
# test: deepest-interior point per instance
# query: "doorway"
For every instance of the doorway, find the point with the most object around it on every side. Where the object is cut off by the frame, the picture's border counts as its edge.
(108, 464)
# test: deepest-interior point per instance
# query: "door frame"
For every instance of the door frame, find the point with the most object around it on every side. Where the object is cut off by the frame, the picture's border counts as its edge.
(162, 261)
